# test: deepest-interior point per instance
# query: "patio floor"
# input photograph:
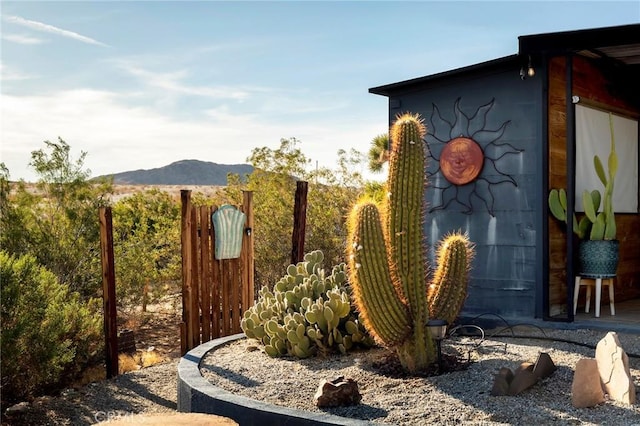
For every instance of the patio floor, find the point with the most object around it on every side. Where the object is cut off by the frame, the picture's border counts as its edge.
(627, 316)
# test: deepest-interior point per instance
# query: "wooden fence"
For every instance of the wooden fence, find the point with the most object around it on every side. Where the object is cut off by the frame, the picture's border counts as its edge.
(215, 293)
(109, 291)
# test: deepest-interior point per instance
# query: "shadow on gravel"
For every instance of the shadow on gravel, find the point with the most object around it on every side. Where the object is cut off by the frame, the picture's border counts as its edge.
(365, 412)
(546, 402)
(125, 382)
(230, 375)
(125, 395)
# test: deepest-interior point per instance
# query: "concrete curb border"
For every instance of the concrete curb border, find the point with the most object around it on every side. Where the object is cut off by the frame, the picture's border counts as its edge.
(197, 395)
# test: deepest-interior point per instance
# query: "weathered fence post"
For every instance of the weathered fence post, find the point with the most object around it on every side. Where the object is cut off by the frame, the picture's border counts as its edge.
(248, 261)
(299, 222)
(206, 257)
(109, 291)
(195, 278)
(186, 328)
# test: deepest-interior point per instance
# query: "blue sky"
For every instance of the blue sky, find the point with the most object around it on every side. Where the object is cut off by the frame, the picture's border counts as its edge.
(138, 85)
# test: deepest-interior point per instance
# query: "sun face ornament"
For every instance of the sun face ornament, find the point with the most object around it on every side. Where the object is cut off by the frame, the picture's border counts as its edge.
(468, 157)
(461, 160)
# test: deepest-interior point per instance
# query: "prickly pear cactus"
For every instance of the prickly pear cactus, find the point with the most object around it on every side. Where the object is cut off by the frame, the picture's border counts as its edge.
(394, 290)
(593, 225)
(306, 313)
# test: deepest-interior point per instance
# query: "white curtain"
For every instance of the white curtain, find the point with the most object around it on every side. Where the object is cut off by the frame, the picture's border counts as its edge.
(593, 137)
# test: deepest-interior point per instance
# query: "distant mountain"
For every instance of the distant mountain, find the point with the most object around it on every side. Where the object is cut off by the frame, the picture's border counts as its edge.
(185, 172)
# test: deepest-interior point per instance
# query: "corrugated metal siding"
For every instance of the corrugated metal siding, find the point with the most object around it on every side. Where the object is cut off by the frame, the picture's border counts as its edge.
(503, 279)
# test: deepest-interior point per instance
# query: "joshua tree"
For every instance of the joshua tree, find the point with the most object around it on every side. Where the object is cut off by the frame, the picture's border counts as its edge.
(394, 291)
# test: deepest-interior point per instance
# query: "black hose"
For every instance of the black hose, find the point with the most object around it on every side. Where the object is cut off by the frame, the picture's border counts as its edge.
(521, 336)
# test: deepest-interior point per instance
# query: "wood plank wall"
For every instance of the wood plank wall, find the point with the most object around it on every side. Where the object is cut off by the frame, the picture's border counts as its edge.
(590, 82)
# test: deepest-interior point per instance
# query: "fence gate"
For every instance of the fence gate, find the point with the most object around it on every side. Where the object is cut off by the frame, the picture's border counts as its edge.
(215, 292)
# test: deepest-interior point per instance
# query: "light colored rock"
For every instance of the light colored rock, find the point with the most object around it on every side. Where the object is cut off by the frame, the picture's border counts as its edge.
(586, 389)
(613, 367)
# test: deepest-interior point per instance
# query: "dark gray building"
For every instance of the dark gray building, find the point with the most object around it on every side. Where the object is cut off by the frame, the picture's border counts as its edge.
(521, 112)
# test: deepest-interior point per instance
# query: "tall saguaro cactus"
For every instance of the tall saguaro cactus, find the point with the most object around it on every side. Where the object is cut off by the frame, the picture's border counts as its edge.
(394, 291)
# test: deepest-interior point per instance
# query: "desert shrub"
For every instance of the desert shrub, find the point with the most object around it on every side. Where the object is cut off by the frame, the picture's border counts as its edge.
(47, 333)
(58, 222)
(146, 232)
(307, 312)
(273, 182)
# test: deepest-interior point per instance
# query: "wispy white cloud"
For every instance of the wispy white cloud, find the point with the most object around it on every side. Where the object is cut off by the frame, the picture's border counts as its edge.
(40, 26)
(119, 137)
(22, 39)
(174, 82)
(7, 74)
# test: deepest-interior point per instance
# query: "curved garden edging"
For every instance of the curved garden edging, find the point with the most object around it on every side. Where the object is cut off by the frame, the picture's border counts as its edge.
(198, 395)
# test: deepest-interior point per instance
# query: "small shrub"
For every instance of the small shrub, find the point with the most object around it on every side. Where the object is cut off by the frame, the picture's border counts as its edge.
(48, 335)
(306, 312)
(146, 229)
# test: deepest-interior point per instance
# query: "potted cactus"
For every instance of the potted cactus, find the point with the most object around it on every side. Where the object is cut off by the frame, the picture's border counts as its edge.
(598, 250)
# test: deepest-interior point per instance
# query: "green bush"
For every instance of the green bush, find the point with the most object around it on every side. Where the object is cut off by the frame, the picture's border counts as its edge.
(47, 333)
(146, 229)
(58, 223)
(273, 182)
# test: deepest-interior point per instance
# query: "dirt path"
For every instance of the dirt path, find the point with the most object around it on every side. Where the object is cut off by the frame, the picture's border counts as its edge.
(141, 389)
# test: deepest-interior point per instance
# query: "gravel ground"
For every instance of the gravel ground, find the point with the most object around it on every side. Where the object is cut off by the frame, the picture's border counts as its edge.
(459, 397)
(148, 390)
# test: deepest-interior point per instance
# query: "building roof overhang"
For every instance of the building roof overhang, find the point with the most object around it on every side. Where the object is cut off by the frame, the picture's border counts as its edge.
(389, 89)
(619, 44)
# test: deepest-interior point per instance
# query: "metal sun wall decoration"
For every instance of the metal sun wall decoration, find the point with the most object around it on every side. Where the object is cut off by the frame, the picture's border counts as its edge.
(468, 157)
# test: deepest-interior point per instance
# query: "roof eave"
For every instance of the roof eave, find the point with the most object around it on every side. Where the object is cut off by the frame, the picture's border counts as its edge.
(388, 89)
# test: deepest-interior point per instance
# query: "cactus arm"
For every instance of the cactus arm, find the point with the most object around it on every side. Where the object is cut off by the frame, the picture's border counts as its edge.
(406, 211)
(590, 210)
(613, 157)
(599, 169)
(582, 229)
(610, 231)
(405, 215)
(563, 199)
(447, 290)
(381, 309)
(556, 207)
(613, 165)
(598, 227)
(609, 218)
(597, 198)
